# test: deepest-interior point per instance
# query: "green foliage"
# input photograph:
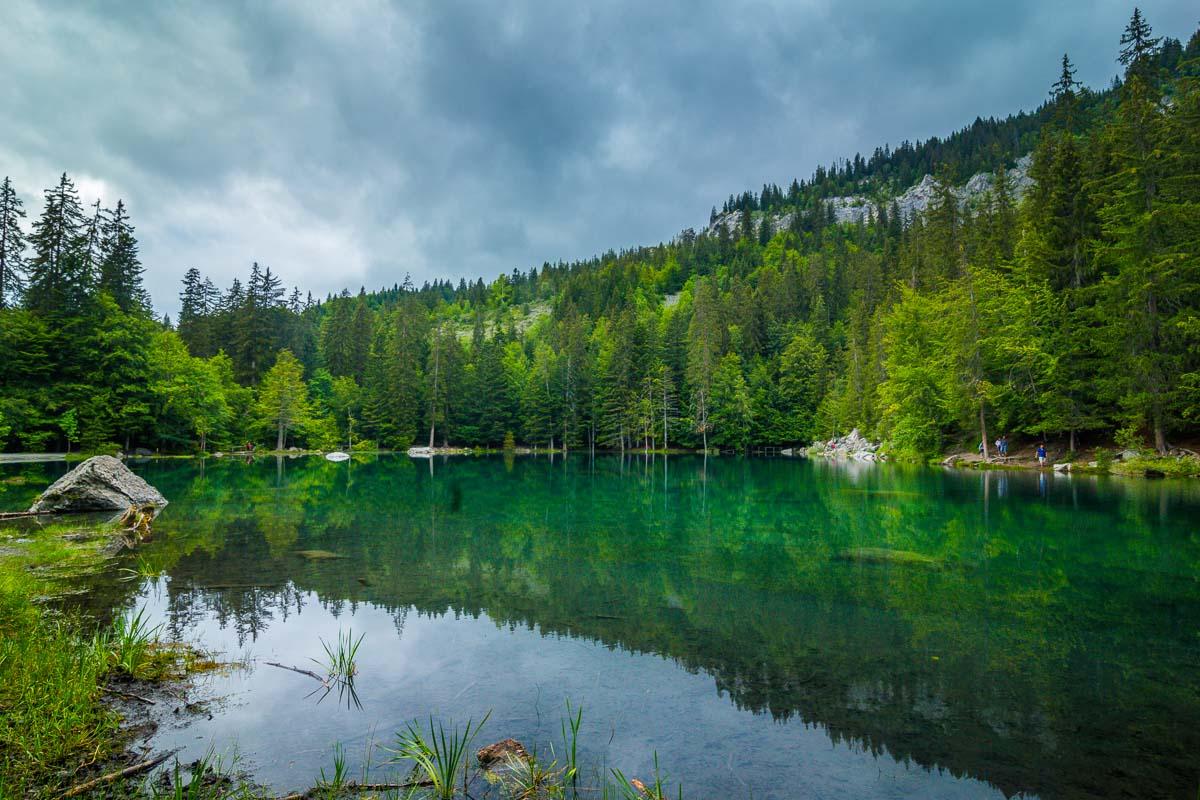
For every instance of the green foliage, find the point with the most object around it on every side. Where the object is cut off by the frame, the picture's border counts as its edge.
(439, 756)
(283, 398)
(1070, 315)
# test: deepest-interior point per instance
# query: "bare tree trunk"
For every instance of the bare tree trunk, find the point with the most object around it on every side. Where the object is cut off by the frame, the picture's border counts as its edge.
(437, 337)
(279, 438)
(983, 436)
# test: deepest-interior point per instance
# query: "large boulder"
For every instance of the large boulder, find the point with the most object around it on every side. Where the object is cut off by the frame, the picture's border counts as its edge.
(101, 483)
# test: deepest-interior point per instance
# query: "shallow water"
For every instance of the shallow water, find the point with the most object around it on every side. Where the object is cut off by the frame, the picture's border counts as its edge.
(719, 614)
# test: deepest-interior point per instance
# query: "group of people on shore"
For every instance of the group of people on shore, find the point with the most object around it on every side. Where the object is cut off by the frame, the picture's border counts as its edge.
(1002, 449)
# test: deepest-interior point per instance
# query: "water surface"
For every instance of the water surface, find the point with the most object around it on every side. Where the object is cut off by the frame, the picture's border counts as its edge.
(712, 613)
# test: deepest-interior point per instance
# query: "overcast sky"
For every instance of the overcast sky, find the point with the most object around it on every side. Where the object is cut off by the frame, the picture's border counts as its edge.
(347, 147)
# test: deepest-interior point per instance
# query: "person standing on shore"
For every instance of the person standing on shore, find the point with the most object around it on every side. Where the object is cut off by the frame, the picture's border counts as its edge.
(1041, 454)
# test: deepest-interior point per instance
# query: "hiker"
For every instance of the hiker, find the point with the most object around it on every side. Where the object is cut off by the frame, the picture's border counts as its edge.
(1004, 446)
(981, 447)
(999, 452)
(1041, 454)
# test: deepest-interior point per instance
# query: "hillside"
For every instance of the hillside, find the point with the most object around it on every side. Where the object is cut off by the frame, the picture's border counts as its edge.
(913, 295)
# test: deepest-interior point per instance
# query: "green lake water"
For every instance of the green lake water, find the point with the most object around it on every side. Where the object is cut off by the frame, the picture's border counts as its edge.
(741, 618)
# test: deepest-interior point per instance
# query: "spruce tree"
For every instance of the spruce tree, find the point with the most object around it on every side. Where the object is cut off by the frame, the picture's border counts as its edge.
(1138, 47)
(12, 244)
(120, 268)
(57, 273)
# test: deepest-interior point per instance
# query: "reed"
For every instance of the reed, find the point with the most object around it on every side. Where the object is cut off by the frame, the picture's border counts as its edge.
(439, 756)
(341, 657)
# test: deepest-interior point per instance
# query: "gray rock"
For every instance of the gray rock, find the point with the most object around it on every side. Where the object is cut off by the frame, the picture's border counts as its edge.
(101, 483)
(142, 452)
(852, 446)
(1127, 455)
(856, 208)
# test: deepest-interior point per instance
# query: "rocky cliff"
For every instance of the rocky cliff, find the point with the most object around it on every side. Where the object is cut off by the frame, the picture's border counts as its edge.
(915, 199)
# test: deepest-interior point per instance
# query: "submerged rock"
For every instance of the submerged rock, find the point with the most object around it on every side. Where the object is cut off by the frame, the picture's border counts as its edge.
(884, 555)
(318, 555)
(499, 754)
(101, 483)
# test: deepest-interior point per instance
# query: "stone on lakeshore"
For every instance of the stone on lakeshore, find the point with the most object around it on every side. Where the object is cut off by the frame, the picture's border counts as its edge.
(101, 483)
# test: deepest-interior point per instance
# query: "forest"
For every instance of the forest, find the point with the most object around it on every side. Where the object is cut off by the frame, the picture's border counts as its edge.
(1071, 313)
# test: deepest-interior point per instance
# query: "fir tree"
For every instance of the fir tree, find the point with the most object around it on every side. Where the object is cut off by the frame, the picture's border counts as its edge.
(120, 269)
(12, 244)
(57, 273)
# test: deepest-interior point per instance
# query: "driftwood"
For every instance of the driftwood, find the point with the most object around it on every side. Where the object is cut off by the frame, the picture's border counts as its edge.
(307, 672)
(121, 773)
(355, 786)
(23, 514)
(130, 696)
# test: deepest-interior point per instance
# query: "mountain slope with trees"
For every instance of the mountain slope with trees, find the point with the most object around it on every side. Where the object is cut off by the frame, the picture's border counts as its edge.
(1071, 314)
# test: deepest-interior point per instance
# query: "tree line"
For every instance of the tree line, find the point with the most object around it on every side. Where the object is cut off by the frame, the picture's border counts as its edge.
(1071, 314)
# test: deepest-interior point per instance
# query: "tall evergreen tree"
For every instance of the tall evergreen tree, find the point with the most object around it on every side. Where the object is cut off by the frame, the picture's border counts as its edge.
(120, 268)
(12, 244)
(57, 273)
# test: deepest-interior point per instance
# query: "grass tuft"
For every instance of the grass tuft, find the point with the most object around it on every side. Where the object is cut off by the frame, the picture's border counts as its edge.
(438, 757)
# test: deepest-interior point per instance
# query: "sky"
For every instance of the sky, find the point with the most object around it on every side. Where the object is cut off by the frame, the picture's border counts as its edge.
(349, 144)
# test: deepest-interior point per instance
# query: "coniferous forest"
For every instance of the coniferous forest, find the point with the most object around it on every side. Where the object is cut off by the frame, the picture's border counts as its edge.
(1070, 313)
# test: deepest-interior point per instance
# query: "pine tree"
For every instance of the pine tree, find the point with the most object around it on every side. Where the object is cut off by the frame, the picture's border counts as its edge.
(57, 273)
(12, 244)
(704, 352)
(730, 404)
(120, 269)
(1138, 47)
(1063, 95)
(1140, 245)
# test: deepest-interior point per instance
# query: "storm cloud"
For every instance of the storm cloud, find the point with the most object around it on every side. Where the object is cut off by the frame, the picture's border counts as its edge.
(347, 144)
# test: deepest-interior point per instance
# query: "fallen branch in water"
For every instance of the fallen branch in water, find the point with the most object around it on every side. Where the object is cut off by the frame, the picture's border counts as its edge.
(121, 773)
(307, 672)
(130, 696)
(355, 786)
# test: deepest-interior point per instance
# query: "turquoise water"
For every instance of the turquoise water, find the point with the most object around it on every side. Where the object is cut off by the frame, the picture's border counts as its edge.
(768, 628)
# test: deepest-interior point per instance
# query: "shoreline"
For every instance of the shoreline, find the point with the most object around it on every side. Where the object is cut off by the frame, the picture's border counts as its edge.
(1139, 465)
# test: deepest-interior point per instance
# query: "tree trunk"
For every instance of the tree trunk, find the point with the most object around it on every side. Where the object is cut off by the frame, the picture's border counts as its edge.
(279, 438)
(1072, 440)
(983, 436)
(1160, 435)
(203, 443)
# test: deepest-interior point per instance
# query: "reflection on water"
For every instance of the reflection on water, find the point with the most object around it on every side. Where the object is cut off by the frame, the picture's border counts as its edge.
(1036, 634)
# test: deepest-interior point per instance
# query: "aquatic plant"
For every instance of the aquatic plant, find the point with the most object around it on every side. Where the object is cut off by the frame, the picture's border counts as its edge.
(129, 642)
(341, 657)
(333, 785)
(438, 757)
(570, 734)
(528, 779)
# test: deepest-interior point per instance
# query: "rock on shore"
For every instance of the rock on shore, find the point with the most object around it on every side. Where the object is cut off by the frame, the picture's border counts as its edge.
(101, 483)
(852, 446)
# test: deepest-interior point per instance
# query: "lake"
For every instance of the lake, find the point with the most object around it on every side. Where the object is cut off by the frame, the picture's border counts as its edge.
(743, 619)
